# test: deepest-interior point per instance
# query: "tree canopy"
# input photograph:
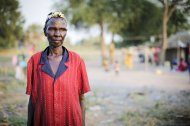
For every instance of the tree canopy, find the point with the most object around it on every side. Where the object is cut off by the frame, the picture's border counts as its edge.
(10, 23)
(145, 22)
(133, 20)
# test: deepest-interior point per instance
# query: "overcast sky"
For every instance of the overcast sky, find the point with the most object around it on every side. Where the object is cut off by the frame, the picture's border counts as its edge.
(36, 11)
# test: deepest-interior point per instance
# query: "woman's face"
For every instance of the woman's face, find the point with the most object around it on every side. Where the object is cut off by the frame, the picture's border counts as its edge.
(56, 30)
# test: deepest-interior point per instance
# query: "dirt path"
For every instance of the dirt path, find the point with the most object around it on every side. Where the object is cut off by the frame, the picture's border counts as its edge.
(114, 99)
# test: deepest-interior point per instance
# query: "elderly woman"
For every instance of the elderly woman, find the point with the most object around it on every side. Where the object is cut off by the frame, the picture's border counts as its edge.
(56, 80)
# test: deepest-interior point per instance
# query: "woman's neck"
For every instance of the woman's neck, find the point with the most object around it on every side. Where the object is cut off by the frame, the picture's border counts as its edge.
(58, 51)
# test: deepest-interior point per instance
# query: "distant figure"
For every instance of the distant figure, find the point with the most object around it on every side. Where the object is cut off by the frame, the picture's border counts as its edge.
(141, 58)
(188, 60)
(23, 63)
(149, 59)
(123, 54)
(182, 65)
(173, 63)
(14, 60)
(106, 64)
(15, 63)
(156, 58)
(116, 67)
(129, 60)
(150, 55)
(112, 52)
(20, 65)
(188, 66)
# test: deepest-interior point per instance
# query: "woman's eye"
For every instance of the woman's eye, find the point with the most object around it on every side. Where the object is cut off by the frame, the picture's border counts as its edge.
(51, 29)
(62, 30)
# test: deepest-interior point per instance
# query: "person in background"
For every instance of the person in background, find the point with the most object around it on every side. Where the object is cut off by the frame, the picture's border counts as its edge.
(116, 67)
(182, 66)
(129, 60)
(106, 64)
(188, 60)
(156, 57)
(112, 52)
(173, 63)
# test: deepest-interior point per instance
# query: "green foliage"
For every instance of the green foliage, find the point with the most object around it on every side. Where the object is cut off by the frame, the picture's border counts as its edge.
(134, 20)
(18, 121)
(145, 22)
(90, 42)
(178, 22)
(34, 36)
(86, 12)
(10, 23)
(35, 28)
(177, 14)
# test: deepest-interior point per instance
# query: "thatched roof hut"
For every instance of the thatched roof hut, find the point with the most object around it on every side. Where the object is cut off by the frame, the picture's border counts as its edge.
(181, 39)
(178, 45)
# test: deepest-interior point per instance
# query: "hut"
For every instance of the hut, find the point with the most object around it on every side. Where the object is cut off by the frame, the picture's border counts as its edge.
(178, 46)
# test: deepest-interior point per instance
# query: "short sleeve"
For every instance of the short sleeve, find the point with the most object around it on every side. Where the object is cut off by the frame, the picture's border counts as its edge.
(84, 86)
(29, 77)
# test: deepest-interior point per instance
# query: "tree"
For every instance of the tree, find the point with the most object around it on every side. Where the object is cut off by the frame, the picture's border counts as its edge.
(142, 22)
(87, 13)
(169, 8)
(178, 22)
(134, 20)
(10, 23)
(34, 34)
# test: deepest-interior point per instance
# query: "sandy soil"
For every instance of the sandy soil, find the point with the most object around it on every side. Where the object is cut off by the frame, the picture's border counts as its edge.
(140, 90)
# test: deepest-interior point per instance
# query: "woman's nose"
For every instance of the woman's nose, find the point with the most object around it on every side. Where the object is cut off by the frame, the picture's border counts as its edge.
(57, 33)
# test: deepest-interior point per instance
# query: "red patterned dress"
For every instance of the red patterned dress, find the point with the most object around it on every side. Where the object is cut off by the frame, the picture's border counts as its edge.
(55, 98)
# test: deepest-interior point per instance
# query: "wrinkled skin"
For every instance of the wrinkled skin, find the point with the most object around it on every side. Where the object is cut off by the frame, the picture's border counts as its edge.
(56, 31)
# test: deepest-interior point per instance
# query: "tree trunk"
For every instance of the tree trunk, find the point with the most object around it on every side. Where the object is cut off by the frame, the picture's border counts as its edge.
(164, 34)
(112, 38)
(103, 48)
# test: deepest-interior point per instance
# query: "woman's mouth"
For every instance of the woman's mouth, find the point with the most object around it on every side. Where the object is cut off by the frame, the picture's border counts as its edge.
(56, 40)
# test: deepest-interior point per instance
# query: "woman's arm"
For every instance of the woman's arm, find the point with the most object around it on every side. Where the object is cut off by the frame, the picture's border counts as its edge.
(82, 104)
(30, 121)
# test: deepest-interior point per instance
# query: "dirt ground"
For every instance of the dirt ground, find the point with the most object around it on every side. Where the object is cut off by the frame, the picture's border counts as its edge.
(143, 96)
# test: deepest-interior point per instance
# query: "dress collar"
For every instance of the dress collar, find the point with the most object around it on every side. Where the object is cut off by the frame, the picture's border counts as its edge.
(46, 51)
(61, 68)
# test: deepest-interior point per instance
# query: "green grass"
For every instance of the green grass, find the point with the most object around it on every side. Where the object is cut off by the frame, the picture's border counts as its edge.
(17, 121)
(14, 121)
(13, 102)
(88, 53)
(5, 59)
(158, 115)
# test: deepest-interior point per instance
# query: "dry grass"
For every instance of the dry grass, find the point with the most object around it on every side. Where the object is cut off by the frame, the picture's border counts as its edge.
(159, 115)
